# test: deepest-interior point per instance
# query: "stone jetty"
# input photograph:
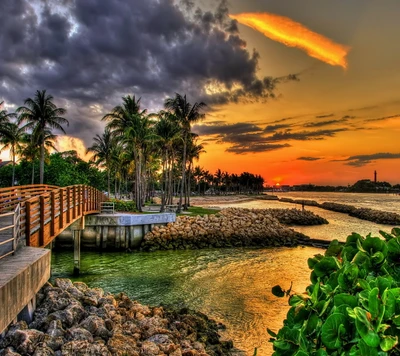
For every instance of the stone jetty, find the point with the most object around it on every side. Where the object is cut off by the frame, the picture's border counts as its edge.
(232, 227)
(72, 319)
(377, 216)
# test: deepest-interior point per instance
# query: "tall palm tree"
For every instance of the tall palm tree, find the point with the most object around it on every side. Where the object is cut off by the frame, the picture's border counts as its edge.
(41, 116)
(185, 114)
(102, 150)
(11, 137)
(193, 153)
(167, 132)
(133, 127)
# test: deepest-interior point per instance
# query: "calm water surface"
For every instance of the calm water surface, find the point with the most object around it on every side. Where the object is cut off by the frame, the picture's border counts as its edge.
(233, 286)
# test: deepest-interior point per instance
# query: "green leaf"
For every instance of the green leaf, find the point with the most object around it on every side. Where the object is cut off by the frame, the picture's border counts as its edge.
(374, 303)
(326, 266)
(321, 352)
(386, 235)
(396, 231)
(295, 300)
(374, 244)
(312, 324)
(269, 331)
(277, 291)
(388, 342)
(345, 298)
(367, 350)
(301, 353)
(394, 249)
(332, 331)
(367, 333)
(389, 300)
(334, 249)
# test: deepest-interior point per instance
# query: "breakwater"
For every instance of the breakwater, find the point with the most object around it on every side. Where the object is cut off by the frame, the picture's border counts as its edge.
(232, 227)
(369, 214)
(72, 319)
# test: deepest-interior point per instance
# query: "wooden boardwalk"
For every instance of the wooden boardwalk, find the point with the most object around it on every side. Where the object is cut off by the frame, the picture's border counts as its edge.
(38, 213)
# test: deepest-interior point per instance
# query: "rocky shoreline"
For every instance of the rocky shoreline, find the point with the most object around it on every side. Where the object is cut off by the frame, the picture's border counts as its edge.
(232, 227)
(72, 319)
(376, 216)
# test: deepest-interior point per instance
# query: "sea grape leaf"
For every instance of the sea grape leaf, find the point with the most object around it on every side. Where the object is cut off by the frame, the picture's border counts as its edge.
(396, 231)
(383, 283)
(388, 342)
(321, 352)
(386, 235)
(277, 291)
(332, 331)
(326, 266)
(334, 249)
(344, 298)
(282, 345)
(295, 300)
(301, 353)
(389, 301)
(348, 276)
(365, 328)
(269, 331)
(394, 249)
(312, 324)
(367, 350)
(377, 258)
(374, 303)
(374, 244)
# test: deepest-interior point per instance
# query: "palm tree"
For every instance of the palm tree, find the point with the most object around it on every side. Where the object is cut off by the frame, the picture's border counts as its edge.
(193, 153)
(167, 133)
(102, 150)
(11, 138)
(41, 116)
(185, 114)
(133, 127)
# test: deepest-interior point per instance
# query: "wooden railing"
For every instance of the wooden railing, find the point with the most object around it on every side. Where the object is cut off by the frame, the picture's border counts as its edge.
(9, 231)
(48, 210)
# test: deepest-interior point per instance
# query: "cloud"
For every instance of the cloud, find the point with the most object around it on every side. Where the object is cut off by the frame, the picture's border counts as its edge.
(308, 159)
(324, 123)
(294, 34)
(304, 135)
(221, 128)
(90, 53)
(273, 128)
(324, 116)
(362, 160)
(383, 118)
(256, 148)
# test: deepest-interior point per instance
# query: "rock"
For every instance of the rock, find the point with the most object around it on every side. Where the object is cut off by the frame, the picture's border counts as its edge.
(120, 344)
(79, 333)
(84, 348)
(26, 341)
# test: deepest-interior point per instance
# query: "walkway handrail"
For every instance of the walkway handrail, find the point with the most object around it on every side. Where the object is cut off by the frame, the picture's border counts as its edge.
(48, 214)
(10, 197)
(14, 227)
(41, 212)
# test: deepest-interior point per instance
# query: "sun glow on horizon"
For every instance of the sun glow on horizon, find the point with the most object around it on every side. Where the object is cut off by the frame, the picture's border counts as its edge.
(294, 34)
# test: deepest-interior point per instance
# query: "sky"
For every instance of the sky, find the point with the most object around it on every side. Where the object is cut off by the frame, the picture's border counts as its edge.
(300, 92)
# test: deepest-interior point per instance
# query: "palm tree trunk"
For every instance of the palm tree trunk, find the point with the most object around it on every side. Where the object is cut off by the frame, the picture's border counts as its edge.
(41, 168)
(183, 176)
(33, 172)
(13, 170)
(109, 181)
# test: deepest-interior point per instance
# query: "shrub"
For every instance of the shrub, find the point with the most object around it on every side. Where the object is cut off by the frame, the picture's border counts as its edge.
(352, 306)
(124, 205)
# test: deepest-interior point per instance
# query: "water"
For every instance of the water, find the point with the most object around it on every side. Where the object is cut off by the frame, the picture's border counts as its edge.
(233, 286)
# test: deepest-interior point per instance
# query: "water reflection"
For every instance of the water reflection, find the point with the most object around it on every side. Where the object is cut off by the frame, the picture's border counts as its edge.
(232, 286)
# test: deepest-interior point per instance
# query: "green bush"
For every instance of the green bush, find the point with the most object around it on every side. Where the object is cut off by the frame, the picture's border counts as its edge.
(352, 306)
(124, 205)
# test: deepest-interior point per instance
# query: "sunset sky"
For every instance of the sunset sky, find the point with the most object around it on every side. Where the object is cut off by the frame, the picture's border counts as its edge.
(336, 124)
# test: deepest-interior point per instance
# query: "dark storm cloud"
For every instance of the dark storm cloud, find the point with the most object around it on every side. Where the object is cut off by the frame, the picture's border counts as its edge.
(362, 160)
(90, 52)
(308, 159)
(324, 116)
(324, 123)
(304, 135)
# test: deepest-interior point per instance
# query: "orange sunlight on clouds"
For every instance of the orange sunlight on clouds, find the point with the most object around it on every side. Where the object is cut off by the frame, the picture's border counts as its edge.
(294, 34)
(68, 143)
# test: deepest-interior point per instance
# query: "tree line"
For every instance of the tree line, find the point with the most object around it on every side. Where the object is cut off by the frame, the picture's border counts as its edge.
(138, 152)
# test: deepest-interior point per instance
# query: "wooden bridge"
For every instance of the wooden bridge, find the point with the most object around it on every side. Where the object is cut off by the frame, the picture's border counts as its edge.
(38, 213)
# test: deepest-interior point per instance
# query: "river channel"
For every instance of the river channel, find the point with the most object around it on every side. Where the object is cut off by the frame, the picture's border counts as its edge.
(232, 286)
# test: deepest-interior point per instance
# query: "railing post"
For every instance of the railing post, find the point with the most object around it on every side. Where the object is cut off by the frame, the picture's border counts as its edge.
(52, 212)
(41, 229)
(84, 190)
(61, 217)
(73, 202)
(79, 200)
(28, 223)
(68, 205)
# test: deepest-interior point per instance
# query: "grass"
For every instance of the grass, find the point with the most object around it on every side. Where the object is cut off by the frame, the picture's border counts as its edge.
(196, 210)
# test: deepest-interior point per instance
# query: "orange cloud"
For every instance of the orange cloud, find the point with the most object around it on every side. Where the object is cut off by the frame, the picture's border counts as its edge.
(68, 143)
(294, 34)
